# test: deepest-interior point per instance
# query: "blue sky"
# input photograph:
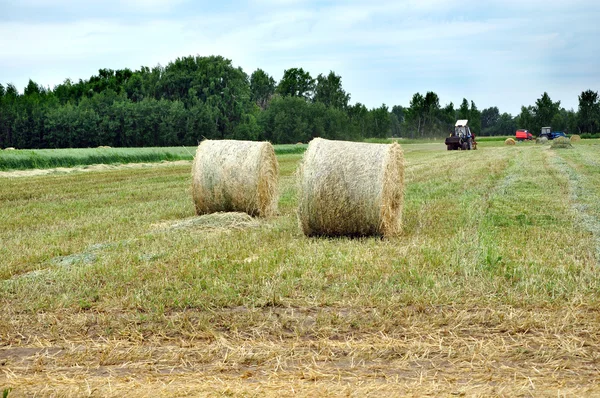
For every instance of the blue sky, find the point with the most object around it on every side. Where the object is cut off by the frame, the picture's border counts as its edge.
(502, 53)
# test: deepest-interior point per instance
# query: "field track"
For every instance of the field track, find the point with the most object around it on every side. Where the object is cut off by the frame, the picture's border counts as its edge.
(109, 285)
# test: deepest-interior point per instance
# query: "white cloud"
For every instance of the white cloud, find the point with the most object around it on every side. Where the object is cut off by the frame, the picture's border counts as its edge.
(497, 53)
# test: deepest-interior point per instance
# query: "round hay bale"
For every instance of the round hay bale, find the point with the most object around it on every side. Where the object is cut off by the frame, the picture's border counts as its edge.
(561, 142)
(541, 140)
(575, 138)
(510, 141)
(233, 175)
(10, 148)
(351, 189)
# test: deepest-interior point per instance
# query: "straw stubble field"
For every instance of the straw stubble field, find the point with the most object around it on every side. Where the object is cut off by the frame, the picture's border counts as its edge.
(110, 285)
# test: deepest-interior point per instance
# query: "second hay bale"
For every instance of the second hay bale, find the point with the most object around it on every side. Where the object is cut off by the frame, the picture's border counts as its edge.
(231, 175)
(351, 189)
(510, 141)
(575, 138)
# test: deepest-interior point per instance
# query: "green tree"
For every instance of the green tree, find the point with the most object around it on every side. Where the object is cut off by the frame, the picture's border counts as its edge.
(286, 120)
(432, 113)
(262, 88)
(399, 111)
(448, 118)
(359, 117)
(200, 124)
(415, 115)
(474, 119)
(525, 120)
(544, 112)
(589, 112)
(380, 122)
(506, 125)
(463, 111)
(489, 120)
(329, 91)
(296, 83)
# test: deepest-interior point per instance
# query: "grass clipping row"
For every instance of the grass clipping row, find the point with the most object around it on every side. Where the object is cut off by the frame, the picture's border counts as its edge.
(351, 189)
(237, 176)
(561, 142)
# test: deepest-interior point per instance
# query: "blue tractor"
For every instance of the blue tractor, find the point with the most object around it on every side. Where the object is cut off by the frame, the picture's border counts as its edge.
(546, 132)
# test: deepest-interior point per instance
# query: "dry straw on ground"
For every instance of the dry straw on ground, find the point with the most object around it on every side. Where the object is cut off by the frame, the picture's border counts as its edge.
(353, 189)
(213, 222)
(235, 176)
(575, 138)
(541, 140)
(509, 141)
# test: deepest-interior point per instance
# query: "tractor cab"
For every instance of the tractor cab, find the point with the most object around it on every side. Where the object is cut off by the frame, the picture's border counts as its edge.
(461, 138)
(461, 129)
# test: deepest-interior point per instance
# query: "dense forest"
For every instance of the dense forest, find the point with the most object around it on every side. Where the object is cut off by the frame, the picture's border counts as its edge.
(194, 98)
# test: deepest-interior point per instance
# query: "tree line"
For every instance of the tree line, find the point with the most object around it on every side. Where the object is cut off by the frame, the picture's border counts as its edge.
(193, 98)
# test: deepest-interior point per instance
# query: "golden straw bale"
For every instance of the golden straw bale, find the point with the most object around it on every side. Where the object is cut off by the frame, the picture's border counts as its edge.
(351, 189)
(238, 176)
(575, 138)
(510, 141)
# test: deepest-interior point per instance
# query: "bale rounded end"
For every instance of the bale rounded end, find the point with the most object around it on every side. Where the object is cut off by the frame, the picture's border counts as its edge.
(231, 175)
(268, 178)
(392, 196)
(575, 138)
(510, 141)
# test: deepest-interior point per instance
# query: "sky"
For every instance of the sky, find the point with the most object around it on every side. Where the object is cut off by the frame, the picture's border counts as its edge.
(496, 53)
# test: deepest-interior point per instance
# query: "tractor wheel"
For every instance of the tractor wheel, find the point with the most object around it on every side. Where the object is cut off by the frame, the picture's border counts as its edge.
(470, 146)
(449, 147)
(464, 146)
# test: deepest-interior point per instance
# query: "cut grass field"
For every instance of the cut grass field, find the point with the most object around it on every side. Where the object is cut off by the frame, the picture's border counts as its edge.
(58, 158)
(109, 285)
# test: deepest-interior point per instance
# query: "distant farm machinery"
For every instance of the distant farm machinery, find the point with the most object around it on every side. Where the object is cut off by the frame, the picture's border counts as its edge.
(461, 138)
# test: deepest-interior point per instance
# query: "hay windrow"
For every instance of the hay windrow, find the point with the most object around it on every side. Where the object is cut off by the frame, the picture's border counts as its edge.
(510, 141)
(235, 176)
(561, 142)
(351, 189)
(212, 222)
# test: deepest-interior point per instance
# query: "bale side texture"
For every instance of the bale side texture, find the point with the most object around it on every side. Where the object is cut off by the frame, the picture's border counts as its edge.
(509, 141)
(575, 138)
(233, 175)
(351, 189)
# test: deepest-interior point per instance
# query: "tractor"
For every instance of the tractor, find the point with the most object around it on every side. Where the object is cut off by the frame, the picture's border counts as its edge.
(461, 138)
(546, 132)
